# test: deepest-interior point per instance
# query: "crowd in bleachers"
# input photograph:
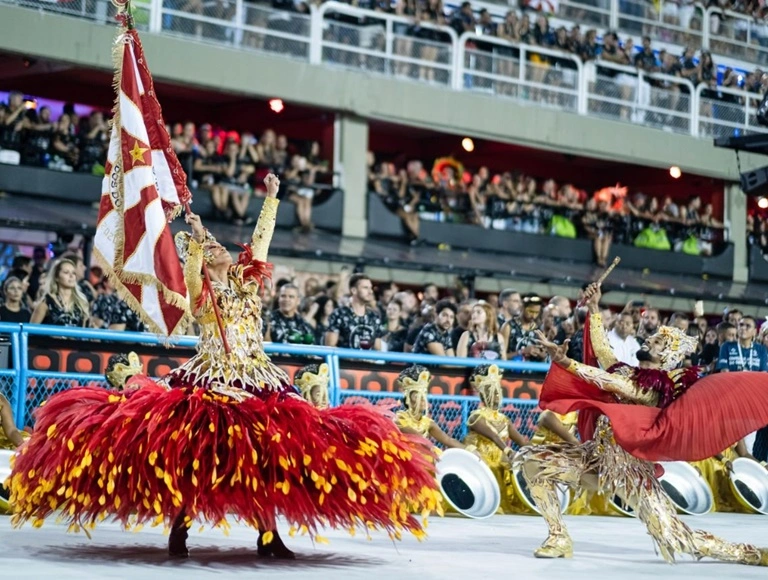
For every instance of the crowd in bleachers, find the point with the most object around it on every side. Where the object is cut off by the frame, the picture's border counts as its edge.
(230, 165)
(581, 32)
(514, 201)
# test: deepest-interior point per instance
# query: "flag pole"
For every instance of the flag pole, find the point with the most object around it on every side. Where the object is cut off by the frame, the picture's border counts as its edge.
(209, 288)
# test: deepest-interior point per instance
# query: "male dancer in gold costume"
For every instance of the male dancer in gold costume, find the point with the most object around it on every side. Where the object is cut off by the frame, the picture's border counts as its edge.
(608, 459)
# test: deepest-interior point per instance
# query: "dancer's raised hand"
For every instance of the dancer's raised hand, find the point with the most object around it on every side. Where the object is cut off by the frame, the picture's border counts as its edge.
(557, 352)
(592, 297)
(198, 231)
(272, 182)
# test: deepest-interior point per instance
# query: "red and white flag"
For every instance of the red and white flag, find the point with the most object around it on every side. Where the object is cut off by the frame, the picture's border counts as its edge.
(143, 189)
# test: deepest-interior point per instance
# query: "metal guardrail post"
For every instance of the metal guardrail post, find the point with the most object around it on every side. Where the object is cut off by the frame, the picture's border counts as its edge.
(155, 16)
(464, 419)
(706, 28)
(613, 18)
(696, 118)
(335, 372)
(316, 34)
(16, 363)
(240, 14)
(459, 55)
(21, 383)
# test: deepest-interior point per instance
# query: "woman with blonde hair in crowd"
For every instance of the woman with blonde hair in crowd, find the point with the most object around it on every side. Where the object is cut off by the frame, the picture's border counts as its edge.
(14, 309)
(482, 339)
(63, 303)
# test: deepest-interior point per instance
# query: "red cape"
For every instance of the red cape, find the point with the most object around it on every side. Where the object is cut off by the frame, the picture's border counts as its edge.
(714, 413)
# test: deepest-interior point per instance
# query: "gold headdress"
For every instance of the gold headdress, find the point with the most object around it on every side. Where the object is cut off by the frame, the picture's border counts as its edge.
(486, 383)
(182, 245)
(308, 379)
(677, 345)
(120, 368)
(410, 385)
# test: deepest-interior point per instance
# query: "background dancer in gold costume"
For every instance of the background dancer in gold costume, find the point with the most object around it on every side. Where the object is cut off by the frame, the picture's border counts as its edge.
(414, 382)
(492, 433)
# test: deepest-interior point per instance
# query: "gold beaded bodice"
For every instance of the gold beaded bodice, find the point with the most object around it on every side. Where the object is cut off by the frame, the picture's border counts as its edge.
(246, 365)
(495, 419)
(404, 420)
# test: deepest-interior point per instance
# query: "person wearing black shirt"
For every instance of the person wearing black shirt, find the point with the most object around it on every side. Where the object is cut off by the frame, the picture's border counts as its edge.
(393, 332)
(435, 337)
(93, 143)
(645, 60)
(356, 326)
(286, 324)
(37, 138)
(14, 309)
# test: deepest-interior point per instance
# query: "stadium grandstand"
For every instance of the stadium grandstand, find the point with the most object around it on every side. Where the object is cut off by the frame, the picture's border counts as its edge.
(479, 163)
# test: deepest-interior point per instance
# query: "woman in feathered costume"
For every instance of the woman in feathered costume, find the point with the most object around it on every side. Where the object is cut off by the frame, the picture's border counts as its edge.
(222, 435)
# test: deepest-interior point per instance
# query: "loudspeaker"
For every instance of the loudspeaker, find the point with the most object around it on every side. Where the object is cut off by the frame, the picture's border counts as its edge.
(755, 182)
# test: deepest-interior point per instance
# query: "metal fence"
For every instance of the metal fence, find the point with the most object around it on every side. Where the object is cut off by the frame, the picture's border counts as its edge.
(724, 32)
(340, 35)
(724, 112)
(653, 100)
(27, 389)
(526, 73)
(737, 35)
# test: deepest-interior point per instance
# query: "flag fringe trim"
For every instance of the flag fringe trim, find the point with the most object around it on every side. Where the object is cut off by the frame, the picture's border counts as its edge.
(172, 298)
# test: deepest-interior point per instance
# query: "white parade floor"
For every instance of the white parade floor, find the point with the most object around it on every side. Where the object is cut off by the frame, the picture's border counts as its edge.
(501, 547)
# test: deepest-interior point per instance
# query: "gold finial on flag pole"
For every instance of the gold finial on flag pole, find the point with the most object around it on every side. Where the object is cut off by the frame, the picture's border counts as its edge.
(608, 270)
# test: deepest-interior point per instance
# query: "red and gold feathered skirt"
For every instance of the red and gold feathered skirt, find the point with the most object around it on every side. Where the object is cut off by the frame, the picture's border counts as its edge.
(141, 456)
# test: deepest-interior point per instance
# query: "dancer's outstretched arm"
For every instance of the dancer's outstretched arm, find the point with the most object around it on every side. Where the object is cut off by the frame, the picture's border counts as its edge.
(610, 382)
(265, 227)
(597, 336)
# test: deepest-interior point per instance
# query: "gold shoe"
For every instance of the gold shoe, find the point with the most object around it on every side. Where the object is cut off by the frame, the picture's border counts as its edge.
(559, 546)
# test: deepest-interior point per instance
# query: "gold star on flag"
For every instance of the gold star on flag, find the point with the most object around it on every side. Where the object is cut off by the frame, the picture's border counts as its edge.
(137, 153)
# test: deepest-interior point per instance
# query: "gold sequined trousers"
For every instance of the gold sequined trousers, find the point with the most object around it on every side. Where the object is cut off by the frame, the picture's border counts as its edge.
(600, 464)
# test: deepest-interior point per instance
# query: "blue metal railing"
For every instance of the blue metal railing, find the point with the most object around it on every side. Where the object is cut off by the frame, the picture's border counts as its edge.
(21, 375)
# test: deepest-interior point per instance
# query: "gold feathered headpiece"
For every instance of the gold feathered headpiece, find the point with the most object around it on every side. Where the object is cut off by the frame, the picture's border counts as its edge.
(677, 345)
(420, 385)
(309, 380)
(182, 240)
(487, 383)
(118, 371)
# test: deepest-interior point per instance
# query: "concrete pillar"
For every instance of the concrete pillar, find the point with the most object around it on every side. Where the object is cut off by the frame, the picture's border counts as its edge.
(349, 161)
(736, 220)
